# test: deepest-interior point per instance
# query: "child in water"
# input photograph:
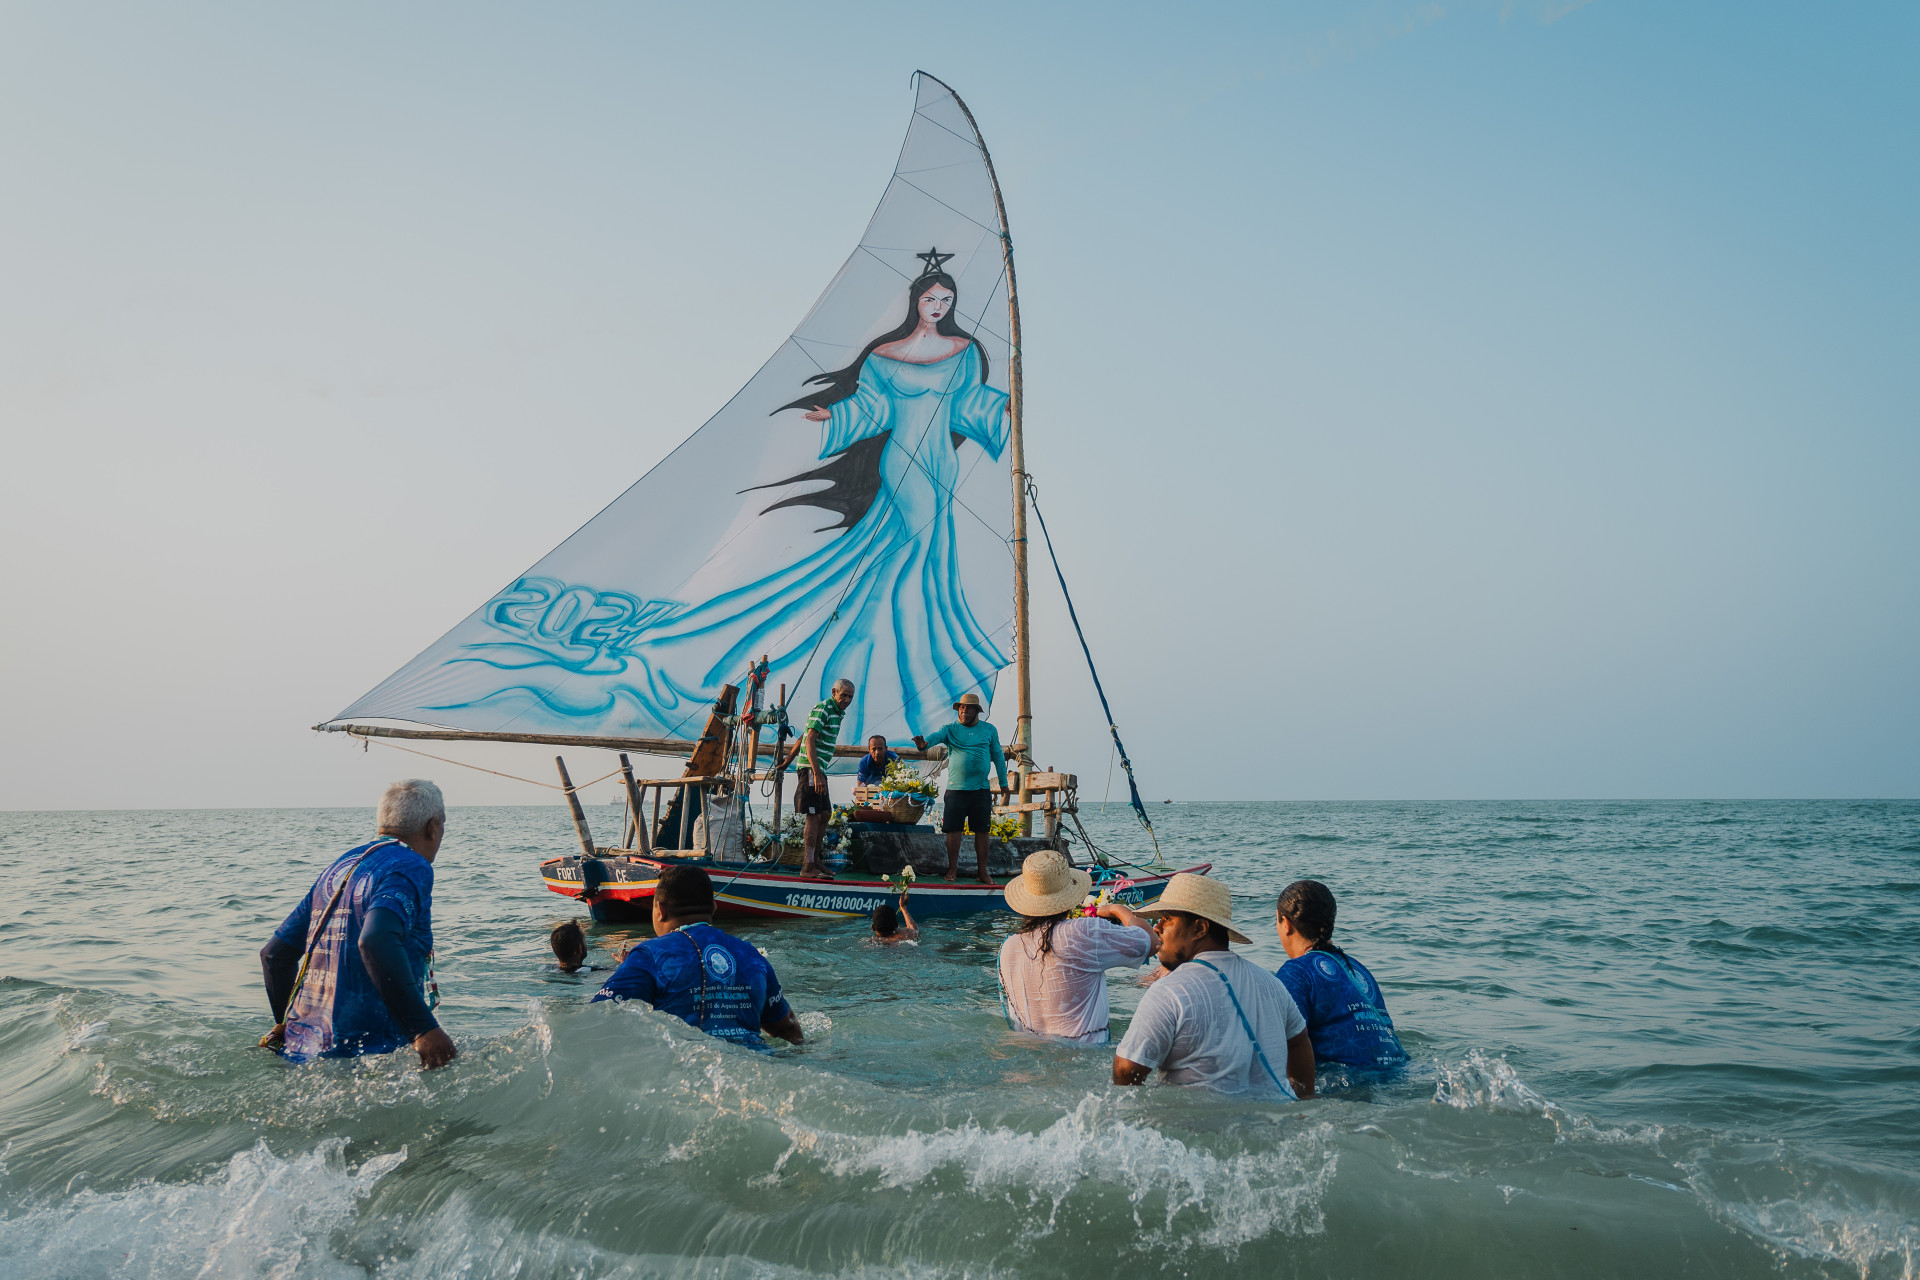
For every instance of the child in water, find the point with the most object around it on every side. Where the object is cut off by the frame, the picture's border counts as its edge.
(887, 929)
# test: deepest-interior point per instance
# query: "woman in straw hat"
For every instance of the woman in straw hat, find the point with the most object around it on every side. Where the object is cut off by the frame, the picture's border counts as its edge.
(1053, 970)
(1216, 1020)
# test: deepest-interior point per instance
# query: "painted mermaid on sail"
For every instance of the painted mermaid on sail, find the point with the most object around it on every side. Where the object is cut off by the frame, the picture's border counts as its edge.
(882, 603)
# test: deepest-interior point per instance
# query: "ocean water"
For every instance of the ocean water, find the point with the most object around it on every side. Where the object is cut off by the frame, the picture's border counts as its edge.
(1649, 1039)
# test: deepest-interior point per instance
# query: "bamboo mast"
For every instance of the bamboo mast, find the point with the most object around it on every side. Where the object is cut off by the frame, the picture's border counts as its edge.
(573, 803)
(1016, 440)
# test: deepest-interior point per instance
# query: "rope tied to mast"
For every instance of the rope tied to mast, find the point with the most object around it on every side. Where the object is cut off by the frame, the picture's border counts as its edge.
(1119, 747)
(363, 740)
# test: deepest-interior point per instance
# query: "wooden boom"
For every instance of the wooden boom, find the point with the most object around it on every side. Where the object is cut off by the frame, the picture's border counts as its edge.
(646, 746)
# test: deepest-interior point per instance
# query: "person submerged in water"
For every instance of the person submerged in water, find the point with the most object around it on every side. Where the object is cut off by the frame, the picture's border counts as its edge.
(1347, 1016)
(705, 977)
(350, 972)
(887, 927)
(569, 943)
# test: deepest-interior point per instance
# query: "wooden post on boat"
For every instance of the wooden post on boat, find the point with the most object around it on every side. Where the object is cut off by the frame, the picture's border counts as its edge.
(579, 814)
(643, 839)
(779, 776)
(750, 748)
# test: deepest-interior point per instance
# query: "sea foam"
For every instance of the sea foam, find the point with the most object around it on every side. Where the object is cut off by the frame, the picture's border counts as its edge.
(260, 1215)
(1213, 1200)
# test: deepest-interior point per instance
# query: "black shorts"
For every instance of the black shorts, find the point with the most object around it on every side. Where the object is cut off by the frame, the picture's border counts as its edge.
(967, 811)
(810, 802)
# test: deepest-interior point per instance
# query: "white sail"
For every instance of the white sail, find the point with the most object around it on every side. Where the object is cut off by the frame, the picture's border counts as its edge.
(868, 541)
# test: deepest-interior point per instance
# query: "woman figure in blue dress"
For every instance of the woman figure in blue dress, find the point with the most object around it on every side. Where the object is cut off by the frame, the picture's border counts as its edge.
(1347, 1018)
(883, 602)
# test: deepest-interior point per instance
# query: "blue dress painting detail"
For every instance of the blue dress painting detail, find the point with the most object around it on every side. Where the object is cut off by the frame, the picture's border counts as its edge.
(881, 603)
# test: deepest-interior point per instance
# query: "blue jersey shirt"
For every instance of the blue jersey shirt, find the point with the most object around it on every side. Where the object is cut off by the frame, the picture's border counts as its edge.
(871, 772)
(1347, 1018)
(337, 1013)
(707, 978)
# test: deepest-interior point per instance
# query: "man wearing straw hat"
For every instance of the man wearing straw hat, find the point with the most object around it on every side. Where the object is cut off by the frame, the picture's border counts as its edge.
(1216, 1020)
(973, 747)
(1053, 970)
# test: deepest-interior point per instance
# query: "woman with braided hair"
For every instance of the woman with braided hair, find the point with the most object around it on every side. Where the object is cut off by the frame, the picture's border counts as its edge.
(1347, 1017)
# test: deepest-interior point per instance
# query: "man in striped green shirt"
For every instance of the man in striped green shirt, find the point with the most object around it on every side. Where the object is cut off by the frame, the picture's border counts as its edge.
(815, 750)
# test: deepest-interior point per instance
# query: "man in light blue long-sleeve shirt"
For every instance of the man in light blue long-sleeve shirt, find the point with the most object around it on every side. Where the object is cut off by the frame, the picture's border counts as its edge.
(973, 746)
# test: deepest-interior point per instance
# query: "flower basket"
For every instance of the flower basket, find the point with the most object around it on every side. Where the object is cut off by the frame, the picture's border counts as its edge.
(905, 810)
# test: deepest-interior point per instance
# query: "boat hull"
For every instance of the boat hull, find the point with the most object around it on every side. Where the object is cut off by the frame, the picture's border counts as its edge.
(747, 891)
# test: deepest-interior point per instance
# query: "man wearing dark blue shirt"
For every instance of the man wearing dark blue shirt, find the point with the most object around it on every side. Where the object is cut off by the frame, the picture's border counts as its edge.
(707, 978)
(873, 765)
(365, 934)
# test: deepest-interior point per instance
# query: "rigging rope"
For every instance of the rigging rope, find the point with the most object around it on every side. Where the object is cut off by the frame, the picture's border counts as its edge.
(1120, 748)
(362, 739)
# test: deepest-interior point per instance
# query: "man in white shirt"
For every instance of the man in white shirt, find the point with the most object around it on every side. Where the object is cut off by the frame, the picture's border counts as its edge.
(1215, 1020)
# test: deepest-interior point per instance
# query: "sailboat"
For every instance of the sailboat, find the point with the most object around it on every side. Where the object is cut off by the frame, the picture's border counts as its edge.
(844, 516)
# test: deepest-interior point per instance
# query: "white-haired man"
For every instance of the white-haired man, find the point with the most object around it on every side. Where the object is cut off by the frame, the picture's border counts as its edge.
(351, 970)
(815, 749)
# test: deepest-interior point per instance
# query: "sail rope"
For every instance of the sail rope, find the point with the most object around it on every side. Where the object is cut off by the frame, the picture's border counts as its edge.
(1119, 747)
(363, 740)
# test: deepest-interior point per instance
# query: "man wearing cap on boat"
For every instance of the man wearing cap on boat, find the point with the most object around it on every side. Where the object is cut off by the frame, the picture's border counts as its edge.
(973, 746)
(1215, 1020)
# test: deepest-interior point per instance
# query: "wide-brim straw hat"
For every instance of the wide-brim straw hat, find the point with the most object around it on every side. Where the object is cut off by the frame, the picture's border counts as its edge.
(970, 700)
(1196, 895)
(1048, 885)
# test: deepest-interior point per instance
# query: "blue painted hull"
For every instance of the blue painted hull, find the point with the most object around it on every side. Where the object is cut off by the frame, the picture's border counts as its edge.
(625, 895)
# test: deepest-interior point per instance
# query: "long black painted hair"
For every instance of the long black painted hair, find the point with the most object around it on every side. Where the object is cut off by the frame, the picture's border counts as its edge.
(853, 474)
(842, 383)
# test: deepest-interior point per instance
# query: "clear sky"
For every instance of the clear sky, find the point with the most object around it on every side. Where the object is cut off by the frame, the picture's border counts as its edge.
(1480, 400)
